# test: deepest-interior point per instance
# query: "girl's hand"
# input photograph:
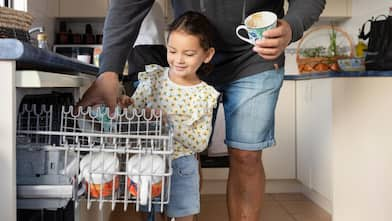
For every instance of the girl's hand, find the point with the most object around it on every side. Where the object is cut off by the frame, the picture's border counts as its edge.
(124, 101)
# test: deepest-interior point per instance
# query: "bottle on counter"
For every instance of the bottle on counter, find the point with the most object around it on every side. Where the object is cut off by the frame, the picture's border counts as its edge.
(390, 11)
(361, 46)
(42, 41)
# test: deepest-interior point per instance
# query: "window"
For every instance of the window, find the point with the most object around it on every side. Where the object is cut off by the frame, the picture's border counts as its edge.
(3, 3)
(19, 4)
(16, 4)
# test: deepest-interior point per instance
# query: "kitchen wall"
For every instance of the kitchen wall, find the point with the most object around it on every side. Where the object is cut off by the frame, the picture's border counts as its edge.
(362, 10)
(44, 12)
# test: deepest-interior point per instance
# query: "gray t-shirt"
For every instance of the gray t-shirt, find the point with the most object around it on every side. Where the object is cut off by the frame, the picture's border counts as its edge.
(234, 58)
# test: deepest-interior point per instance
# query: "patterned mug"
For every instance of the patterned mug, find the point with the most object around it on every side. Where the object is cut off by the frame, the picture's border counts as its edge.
(256, 24)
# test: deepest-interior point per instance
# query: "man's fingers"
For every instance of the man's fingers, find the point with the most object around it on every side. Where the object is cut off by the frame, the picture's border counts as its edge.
(268, 57)
(268, 43)
(274, 41)
(111, 103)
(90, 98)
(274, 33)
(267, 51)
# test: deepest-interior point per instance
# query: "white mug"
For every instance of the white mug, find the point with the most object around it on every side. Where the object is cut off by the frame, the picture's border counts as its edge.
(145, 170)
(256, 24)
(84, 58)
(98, 170)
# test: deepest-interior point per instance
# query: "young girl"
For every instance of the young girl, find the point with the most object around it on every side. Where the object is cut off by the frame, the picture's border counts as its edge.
(188, 103)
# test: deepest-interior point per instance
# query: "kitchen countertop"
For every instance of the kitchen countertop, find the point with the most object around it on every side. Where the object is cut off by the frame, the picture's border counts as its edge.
(339, 74)
(28, 57)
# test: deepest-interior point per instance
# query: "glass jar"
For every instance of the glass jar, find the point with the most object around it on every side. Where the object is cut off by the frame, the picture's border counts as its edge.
(42, 41)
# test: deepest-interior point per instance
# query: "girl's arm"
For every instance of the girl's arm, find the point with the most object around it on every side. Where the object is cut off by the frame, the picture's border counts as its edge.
(195, 136)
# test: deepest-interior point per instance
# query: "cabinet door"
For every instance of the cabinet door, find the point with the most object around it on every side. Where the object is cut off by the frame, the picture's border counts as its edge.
(337, 8)
(314, 135)
(279, 161)
(333, 9)
(83, 8)
(321, 147)
(304, 131)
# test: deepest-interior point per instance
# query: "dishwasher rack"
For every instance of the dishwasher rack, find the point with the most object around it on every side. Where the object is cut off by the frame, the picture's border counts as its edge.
(120, 158)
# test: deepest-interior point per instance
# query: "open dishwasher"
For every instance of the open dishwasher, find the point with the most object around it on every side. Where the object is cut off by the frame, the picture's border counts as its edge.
(66, 154)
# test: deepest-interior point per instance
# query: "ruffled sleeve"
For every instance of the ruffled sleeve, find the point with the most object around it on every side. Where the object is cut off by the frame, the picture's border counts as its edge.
(207, 103)
(194, 133)
(148, 81)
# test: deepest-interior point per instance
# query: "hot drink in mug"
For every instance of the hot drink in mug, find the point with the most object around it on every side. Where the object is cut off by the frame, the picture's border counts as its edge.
(256, 24)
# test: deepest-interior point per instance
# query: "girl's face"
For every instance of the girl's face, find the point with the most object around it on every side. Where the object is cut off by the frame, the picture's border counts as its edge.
(185, 56)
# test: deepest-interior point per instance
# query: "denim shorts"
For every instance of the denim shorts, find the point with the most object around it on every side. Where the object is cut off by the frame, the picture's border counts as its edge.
(249, 105)
(184, 189)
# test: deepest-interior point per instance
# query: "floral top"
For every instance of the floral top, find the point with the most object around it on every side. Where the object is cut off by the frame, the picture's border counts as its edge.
(189, 108)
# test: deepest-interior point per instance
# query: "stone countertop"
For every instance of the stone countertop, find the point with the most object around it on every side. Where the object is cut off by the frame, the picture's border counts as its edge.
(28, 57)
(338, 75)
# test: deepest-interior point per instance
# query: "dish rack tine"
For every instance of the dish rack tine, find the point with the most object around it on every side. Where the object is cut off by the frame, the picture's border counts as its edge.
(114, 183)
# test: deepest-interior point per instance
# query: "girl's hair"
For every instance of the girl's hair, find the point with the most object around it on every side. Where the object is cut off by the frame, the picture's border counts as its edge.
(195, 23)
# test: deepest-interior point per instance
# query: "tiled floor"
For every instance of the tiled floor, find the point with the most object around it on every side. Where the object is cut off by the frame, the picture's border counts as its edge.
(277, 207)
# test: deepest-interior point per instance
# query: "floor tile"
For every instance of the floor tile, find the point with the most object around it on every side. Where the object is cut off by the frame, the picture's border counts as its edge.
(277, 207)
(305, 211)
(289, 197)
(309, 217)
(269, 197)
(272, 211)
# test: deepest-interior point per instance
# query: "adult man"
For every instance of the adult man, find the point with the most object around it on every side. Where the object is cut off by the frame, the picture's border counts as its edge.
(249, 76)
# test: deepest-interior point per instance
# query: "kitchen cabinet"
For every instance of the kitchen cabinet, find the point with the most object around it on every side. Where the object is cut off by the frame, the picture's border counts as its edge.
(83, 8)
(337, 9)
(279, 161)
(304, 131)
(362, 149)
(314, 135)
(53, 8)
(334, 9)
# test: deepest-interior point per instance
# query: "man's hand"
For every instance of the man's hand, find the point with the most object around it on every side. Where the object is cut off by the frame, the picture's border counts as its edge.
(274, 42)
(104, 90)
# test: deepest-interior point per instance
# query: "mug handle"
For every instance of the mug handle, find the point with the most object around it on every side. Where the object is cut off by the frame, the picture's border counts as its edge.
(242, 37)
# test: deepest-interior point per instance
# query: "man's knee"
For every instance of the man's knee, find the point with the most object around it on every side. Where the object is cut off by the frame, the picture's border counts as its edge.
(248, 162)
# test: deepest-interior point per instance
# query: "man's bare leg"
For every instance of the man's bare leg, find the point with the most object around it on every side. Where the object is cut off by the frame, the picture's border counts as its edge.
(246, 185)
